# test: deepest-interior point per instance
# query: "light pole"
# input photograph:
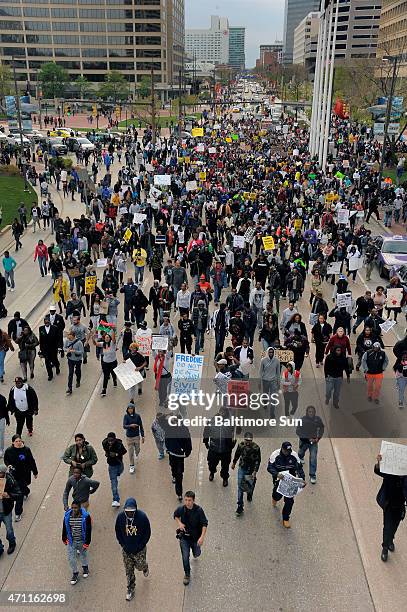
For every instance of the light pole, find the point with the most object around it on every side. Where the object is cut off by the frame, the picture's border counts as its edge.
(20, 128)
(394, 59)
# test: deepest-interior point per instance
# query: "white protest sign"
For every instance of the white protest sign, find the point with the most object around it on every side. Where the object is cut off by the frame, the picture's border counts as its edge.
(289, 485)
(181, 237)
(238, 242)
(344, 300)
(394, 458)
(149, 167)
(144, 343)
(162, 179)
(355, 263)
(394, 297)
(212, 150)
(101, 263)
(186, 374)
(387, 326)
(191, 185)
(334, 267)
(343, 216)
(159, 343)
(155, 193)
(127, 375)
(139, 218)
(123, 210)
(200, 148)
(360, 214)
(285, 129)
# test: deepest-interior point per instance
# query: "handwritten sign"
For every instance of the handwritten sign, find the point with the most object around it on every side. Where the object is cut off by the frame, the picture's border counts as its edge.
(144, 342)
(284, 355)
(162, 179)
(238, 242)
(127, 235)
(394, 297)
(159, 343)
(334, 267)
(186, 374)
(90, 284)
(127, 375)
(394, 458)
(191, 185)
(138, 218)
(197, 131)
(268, 243)
(344, 300)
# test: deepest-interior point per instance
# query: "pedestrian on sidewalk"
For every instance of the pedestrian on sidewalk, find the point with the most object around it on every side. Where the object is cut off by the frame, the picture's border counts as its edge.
(27, 344)
(290, 382)
(22, 463)
(49, 344)
(36, 216)
(335, 365)
(374, 362)
(23, 403)
(5, 345)
(281, 460)
(9, 263)
(133, 426)
(249, 456)
(77, 535)
(114, 452)
(17, 230)
(158, 435)
(4, 420)
(400, 371)
(309, 433)
(11, 493)
(179, 446)
(192, 526)
(41, 253)
(392, 498)
(22, 213)
(219, 441)
(82, 487)
(133, 532)
(108, 359)
(80, 454)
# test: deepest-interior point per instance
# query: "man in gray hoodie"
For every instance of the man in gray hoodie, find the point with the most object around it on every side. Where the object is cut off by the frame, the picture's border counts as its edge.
(270, 376)
(82, 487)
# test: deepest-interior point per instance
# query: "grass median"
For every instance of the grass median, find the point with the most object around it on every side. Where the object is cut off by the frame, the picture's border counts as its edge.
(11, 194)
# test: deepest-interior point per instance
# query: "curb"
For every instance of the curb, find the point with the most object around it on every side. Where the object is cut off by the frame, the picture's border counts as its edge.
(40, 302)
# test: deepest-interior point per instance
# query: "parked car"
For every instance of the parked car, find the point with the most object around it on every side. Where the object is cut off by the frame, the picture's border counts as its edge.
(392, 254)
(15, 139)
(80, 144)
(57, 146)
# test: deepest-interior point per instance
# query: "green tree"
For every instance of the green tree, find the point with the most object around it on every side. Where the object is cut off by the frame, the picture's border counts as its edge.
(144, 87)
(115, 87)
(6, 78)
(83, 86)
(53, 79)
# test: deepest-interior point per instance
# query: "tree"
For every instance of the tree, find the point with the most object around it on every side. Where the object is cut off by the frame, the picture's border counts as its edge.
(115, 87)
(144, 87)
(53, 79)
(83, 86)
(6, 78)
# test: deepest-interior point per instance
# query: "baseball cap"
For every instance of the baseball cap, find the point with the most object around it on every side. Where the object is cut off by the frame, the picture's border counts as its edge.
(248, 435)
(222, 362)
(287, 446)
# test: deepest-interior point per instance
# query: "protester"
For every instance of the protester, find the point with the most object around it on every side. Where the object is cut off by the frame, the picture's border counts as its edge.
(192, 525)
(76, 535)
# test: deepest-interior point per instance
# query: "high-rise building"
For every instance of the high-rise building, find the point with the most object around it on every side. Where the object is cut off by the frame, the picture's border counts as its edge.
(393, 31)
(91, 37)
(210, 45)
(306, 41)
(295, 11)
(237, 55)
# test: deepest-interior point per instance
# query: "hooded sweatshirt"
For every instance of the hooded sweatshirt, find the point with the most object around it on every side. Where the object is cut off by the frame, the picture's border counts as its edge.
(270, 367)
(290, 381)
(133, 419)
(133, 533)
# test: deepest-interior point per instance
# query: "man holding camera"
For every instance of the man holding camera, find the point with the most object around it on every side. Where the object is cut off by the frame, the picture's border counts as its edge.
(191, 530)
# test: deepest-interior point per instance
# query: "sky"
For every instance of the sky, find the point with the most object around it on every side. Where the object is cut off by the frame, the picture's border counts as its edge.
(263, 20)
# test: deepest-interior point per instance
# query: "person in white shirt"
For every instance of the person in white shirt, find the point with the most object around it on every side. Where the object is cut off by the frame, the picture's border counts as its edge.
(183, 300)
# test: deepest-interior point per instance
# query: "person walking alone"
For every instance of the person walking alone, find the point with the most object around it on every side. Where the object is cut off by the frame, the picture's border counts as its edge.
(22, 462)
(77, 535)
(9, 264)
(133, 426)
(192, 525)
(114, 452)
(41, 253)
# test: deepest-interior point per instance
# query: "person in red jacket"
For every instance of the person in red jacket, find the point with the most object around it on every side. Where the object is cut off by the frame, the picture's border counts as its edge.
(41, 253)
(339, 339)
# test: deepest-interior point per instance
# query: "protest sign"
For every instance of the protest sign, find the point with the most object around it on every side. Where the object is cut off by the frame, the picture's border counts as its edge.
(127, 375)
(191, 185)
(197, 131)
(160, 239)
(284, 355)
(138, 218)
(74, 272)
(387, 326)
(355, 263)
(101, 263)
(268, 243)
(238, 393)
(238, 242)
(162, 179)
(159, 343)
(297, 224)
(344, 300)
(144, 342)
(334, 267)
(394, 458)
(394, 297)
(343, 216)
(186, 374)
(212, 150)
(202, 176)
(90, 284)
(200, 148)
(127, 235)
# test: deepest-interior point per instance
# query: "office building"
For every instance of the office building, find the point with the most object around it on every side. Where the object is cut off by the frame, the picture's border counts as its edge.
(92, 37)
(237, 56)
(306, 40)
(294, 12)
(210, 45)
(393, 31)
(270, 55)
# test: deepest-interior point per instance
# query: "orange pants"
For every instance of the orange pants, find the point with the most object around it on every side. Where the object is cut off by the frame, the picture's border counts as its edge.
(374, 385)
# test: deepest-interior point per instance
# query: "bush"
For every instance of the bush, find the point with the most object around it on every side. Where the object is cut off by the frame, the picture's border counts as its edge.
(9, 170)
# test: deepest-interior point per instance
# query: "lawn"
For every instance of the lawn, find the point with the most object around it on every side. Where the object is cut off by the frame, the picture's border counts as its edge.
(11, 194)
(391, 172)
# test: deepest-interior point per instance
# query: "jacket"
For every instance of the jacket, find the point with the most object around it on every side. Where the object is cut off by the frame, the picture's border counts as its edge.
(86, 527)
(32, 400)
(281, 463)
(13, 491)
(88, 458)
(4, 411)
(335, 366)
(82, 488)
(219, 438)
(61, 287)
(335, 341)
(374, 362)
(22, 462)
(133, 419)
(177, 439)
(49, 341)
(117, 448)
(270, 368)
(321, 334)
(310, 428)
(249, 457)
(393, 491)
(132, 534)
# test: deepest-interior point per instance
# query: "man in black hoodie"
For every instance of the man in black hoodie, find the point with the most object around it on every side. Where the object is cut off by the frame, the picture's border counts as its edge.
(179, 446)
(114, 451)
(133, 532)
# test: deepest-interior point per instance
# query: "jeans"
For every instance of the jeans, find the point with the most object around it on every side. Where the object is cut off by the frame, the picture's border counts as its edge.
(219, 341)
(333, 385)
(138, 274)
(115, 472)
(74, 366)
(275, 295)
(133, 446)
(259, 314)
(107, 369)
(217, 292)
(31, 358)
(313, 455)
(199, 341)
(9, 276)
(186, 545)
(2, 358)
(242, 472)
(270, 387)
(2, 432)
(401, 384)
(7, 519)
(160, 446)
(42, 262)
(72, 557)
(288, 502)
(20, 499)
(290, 397)
(358, 321)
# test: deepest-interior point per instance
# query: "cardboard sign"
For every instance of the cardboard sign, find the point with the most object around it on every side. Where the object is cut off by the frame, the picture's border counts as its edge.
(144, 342)
(200, 148)
(138, 218)
(268, 243)
(103, 308)
(387, 326)
(355, 263)
(197, 131)
(127, 235)
(162, 179)
(284, 355)
(159, 343)
(394, 298)
(191, 185)
(74, 273)
(90, 285)
(238, 242)
(344, 300)
(101, 263)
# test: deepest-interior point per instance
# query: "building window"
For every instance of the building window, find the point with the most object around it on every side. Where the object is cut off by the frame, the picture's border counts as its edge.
(34, 12)
(121, 65)
(68, 26)
(94, 65)
(93, 27)
(147, 27)
(94, 53)
(148, 40)
(63, 12)
(45, 39)
(12, 25)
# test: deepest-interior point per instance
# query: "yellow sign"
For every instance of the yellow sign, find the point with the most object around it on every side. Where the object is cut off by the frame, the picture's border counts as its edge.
(298, 224)
(329, 197)
(268, 243)
(202, 176)
(127, 235)
(228, 139)
(246, 195)
(90, 284)
(187, 159)
(253, 196)
(181, 160)
(197, 132)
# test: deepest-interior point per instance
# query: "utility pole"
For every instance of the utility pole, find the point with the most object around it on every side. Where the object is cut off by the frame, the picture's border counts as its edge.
(393, 59)
(20, 128)
(180, 105)
(153, 122)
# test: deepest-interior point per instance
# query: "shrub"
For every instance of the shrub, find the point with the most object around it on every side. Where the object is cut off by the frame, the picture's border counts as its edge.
(9, 170)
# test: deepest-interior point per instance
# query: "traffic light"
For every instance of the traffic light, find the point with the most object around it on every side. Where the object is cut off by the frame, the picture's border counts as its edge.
(68, 110)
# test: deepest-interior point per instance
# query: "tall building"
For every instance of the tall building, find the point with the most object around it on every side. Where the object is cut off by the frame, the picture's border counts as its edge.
(306, 39)
(237, 55)
(393, 31)
(91, 37)
(212, 44)
(270, 56)
(295, 11)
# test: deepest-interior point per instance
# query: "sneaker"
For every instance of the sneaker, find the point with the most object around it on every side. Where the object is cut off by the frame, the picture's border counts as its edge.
(11, 548)
(391, 547)
(211, 476)
(180, 498)
(75, 578)
(336, 405)
(103, 393)
(115, 504)
(132, 469)
(146, 572)
(401, 404)
(385, 554)
(313, 480)
(286, 524)
(2, 379)
(250, 497)
(18, 517)
(78, 384)
(69, 392)
(186, 580)
(85, 571)
(317, 365)
(129, 595)
(140, 391)
(30, 433)
(377, 401)
(57, 371)
(239, 511)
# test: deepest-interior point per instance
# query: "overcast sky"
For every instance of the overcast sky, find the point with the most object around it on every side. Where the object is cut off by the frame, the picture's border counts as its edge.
(263, 20)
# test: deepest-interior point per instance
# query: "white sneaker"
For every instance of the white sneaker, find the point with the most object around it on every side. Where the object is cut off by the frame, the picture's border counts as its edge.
(12, 289)
(129, 595)
(132, 469)
(313, 480)
(115, 504)
(18, 518)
